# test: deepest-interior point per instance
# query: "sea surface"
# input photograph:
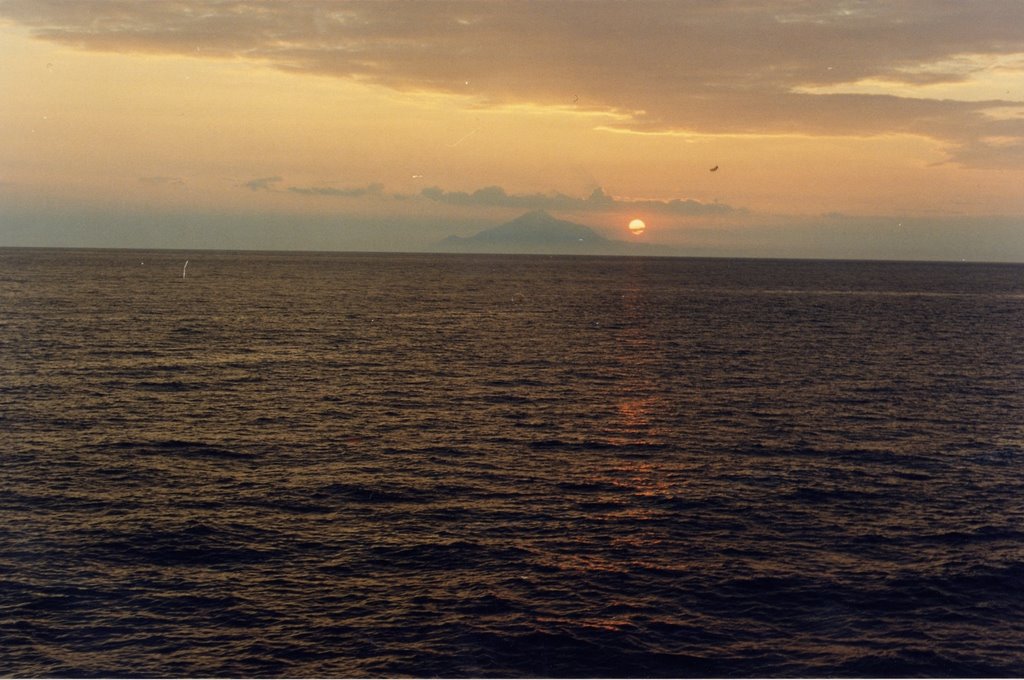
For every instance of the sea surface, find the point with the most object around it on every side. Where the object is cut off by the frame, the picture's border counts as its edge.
(466, 465)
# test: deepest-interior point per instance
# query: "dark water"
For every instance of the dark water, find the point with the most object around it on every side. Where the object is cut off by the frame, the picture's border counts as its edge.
(380, 465)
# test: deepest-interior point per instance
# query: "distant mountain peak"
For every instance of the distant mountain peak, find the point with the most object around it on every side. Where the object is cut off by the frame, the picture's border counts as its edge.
(536, 215)
(542, 218)
(538, 232)
(534, 232)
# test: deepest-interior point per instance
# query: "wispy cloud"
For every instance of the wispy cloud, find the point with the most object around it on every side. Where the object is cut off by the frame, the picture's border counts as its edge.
(496, 197)
(262, 183)
(272, 184)
(163, 181)
(704, 67)
(351, 192)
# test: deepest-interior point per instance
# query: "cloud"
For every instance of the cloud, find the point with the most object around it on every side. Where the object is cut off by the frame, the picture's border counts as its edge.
(496, 197)
(270, 184)
(990, 152)
(700, 67)
(163, 181)
(353, 192)
(262, 183)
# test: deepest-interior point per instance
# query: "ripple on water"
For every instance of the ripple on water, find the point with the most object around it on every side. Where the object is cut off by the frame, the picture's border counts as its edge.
(366, 465)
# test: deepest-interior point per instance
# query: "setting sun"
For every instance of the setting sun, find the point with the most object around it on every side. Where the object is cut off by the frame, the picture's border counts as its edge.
(370, 285)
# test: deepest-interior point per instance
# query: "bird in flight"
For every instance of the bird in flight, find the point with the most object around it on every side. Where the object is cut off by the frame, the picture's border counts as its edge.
(714, 168)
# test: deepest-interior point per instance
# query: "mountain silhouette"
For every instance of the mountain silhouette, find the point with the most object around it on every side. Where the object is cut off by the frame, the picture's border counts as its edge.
(535, 232)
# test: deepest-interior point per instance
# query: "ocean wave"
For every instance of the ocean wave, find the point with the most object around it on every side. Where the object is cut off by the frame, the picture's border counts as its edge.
(248, 478)
(177, 447)
(371, 494)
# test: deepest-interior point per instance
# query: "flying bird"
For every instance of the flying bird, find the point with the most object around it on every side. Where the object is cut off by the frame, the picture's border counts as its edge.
(714, 168)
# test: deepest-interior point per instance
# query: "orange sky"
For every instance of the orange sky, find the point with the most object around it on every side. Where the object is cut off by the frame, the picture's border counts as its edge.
(836, 126)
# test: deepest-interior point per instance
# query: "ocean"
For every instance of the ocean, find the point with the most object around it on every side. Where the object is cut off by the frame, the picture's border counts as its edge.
(304, 464)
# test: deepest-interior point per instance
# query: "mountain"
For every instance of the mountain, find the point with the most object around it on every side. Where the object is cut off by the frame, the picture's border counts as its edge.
(536, 232)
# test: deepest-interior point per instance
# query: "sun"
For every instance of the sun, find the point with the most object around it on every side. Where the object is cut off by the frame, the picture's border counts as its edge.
(637, 227)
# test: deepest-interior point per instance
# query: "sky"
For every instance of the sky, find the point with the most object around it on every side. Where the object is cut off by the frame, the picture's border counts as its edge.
(862, 129)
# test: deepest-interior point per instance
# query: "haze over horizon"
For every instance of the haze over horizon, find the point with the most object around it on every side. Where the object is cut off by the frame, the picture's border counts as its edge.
(864, 130)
